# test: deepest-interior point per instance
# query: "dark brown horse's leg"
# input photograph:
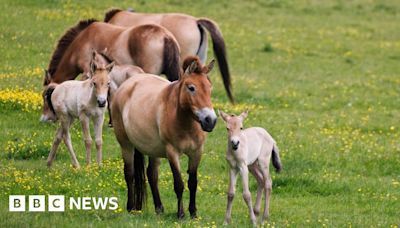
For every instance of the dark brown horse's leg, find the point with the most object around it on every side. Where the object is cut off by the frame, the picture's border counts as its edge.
(192, 183)
(108, 108)
(128, 172)
(152, 176)
(178, 183)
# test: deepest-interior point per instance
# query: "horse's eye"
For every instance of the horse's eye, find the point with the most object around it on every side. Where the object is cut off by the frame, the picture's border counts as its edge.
(191, 88)
(94, 83)
(241, 128)
(227, 128)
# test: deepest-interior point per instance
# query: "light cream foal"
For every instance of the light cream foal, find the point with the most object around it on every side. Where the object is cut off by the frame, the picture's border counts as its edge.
(249, 149)
(84, 100)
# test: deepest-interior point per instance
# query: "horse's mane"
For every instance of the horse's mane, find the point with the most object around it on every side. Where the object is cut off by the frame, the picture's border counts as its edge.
(64, 43)
(110, 14)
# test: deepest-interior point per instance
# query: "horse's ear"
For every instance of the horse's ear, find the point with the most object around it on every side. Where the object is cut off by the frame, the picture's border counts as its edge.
(191, 68)
(110, 66)
(210, 66)
(47, 77)
(223, 115)
(244, 114)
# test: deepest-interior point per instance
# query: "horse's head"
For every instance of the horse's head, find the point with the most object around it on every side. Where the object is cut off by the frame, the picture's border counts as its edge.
(100, 80)
(234, 125)
(48, 114)
(195, 92)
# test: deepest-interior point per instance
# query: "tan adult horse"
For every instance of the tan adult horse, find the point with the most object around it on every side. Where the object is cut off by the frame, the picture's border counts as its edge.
(188, 31)
(151, 47)
(160, 119)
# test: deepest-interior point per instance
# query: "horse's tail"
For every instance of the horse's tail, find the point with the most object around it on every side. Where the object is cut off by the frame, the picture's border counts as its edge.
(219, 51)
(48, 94)
(276, 160)
(171, 67)
(110, 14)
(139, 184)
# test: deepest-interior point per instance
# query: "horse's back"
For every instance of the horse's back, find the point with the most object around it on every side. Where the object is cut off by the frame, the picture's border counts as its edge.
(183, 27)
(259, 143)
(65, 97)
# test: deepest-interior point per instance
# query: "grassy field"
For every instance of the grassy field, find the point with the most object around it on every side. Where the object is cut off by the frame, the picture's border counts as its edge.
(322, 76)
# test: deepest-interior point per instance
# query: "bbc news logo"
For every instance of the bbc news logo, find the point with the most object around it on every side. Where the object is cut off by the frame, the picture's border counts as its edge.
(56, 203)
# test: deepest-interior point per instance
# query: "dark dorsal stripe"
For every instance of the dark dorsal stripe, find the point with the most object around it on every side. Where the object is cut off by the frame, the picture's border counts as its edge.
(64, 43)
(110, 14)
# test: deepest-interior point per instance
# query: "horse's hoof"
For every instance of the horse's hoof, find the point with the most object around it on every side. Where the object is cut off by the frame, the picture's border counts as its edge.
(181, 215)
(256, 213)
(193, 215)
(159, 210)
(227, 222)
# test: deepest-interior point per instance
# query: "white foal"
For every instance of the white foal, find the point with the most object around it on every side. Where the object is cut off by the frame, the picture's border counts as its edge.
(249, 149)
(118, 75)
(84, 100)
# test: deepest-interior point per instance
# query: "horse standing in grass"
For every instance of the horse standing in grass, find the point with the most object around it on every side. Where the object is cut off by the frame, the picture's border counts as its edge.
(190, 33)
(160, 119)
(151, 47)
(249, 149)
(84, 100)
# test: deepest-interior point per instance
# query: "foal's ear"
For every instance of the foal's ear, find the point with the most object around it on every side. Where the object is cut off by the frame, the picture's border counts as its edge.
(210, 66)
(92, 67)
(191, 68)
(110, 66)
(223, 115)
(244, 114)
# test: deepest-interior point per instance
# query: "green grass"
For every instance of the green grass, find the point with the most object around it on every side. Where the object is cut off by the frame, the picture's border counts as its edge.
(322, 77)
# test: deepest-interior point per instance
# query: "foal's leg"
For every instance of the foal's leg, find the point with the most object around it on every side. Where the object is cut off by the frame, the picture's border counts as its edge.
(152, 175)
(86, 136)
(66, 124)
(246, 193)
(192, 182)
(54, 148)
(173, 158)
(127, 155)
(254, 169)
(231, 195)
(268, 189)
(98, 131)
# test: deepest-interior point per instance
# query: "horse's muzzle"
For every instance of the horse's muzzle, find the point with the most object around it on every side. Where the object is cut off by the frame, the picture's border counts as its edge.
(207, 119)
(235, 145)
(101, 103)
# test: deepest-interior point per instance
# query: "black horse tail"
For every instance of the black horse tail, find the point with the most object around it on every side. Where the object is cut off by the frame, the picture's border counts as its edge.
(48, 94)
(276, 160)
(171, 67)
(220, 53)
(139, 181)
(110, 14)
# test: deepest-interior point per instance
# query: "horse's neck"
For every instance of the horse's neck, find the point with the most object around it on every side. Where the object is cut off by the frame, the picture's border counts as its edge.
(179, 117)
(87, 93)
(64, 73)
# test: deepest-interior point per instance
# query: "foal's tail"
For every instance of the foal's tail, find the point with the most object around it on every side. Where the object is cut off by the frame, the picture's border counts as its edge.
(219, 51)
(276, 160)
(48, 94)
(171, 67)
(139, 184)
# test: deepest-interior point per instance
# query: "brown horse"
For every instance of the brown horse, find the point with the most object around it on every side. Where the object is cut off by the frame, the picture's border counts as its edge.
(160, 119)
(151, 47)
(188, 31)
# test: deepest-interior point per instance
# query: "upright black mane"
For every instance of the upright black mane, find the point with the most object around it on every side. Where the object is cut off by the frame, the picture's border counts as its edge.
(64, 43)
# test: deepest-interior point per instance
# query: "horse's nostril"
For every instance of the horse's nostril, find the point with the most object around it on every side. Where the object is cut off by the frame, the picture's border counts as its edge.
(208, 119)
